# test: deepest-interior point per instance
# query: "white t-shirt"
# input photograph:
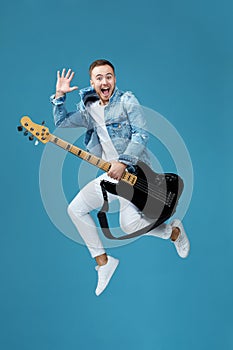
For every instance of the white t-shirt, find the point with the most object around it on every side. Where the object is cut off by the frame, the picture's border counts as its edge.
(97, 112)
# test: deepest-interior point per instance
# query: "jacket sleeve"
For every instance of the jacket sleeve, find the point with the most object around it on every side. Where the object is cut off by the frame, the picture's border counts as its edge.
(65, 119)
(139, 135)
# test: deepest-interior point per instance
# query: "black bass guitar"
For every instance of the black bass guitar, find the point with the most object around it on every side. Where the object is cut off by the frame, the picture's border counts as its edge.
(155, 195)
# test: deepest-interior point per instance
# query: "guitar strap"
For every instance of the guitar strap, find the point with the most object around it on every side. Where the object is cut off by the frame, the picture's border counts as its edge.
(104, 222)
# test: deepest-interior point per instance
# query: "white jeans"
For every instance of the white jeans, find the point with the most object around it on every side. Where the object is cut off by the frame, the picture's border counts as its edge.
(90, 198)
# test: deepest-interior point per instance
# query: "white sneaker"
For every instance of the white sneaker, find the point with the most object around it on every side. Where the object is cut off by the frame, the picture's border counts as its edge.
(105, 273)
(182, 244)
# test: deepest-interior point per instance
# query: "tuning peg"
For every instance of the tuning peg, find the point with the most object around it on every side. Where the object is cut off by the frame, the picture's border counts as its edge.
(25, 133)
(20, 128)
(31, 138)
(36, 143)
(43, 122)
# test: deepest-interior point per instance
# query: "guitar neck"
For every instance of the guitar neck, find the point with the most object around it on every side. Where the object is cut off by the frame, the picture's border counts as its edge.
(88, 157)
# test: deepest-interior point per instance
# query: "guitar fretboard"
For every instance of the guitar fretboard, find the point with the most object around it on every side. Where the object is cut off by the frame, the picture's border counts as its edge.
(88, 157)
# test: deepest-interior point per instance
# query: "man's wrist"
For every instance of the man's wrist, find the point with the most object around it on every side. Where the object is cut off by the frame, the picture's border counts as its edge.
(59, 94)
(122, 164)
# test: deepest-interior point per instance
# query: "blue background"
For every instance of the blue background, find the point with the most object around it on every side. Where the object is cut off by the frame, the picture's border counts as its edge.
(177, 58)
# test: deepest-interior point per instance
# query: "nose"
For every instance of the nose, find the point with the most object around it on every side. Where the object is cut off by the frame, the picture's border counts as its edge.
(104, 81)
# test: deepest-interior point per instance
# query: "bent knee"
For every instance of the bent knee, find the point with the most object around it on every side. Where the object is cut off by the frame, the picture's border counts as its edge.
(70, 210)
(75, 210)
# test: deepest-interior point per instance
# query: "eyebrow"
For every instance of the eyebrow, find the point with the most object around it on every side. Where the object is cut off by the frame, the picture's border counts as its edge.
(100, 75)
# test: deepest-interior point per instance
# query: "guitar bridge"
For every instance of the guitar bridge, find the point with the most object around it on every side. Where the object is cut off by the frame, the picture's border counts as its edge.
(170, 198)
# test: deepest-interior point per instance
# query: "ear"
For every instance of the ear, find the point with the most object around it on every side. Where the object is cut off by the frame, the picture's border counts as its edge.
(91, 82)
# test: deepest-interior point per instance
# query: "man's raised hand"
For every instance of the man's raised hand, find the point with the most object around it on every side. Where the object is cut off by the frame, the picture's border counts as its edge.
(63, 83)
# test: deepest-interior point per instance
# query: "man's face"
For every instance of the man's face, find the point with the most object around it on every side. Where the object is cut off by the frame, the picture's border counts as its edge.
(103, 80)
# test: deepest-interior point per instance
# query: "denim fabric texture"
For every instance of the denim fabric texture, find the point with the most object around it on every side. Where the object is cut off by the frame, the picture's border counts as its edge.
(124, 120)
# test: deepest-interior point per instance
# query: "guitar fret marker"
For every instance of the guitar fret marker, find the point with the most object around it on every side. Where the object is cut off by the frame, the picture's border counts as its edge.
(68, 147)
(56, 140)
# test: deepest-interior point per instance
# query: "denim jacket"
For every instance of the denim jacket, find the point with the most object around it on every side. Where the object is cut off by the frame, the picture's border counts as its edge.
(123, 118)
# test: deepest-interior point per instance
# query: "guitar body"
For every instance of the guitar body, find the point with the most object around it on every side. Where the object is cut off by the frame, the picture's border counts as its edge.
(155, 195)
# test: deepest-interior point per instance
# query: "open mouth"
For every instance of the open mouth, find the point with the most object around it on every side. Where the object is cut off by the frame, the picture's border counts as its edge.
(105, 91)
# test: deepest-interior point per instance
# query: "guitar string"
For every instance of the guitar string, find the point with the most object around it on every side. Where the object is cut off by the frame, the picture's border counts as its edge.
(144, 184)
(141, 184)
(149, 189)
(153, 194)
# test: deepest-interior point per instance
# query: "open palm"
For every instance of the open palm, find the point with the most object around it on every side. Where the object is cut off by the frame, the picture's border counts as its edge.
(63, 82)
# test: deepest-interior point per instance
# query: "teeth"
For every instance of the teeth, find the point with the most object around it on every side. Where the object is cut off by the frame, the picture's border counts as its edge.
(105, 91)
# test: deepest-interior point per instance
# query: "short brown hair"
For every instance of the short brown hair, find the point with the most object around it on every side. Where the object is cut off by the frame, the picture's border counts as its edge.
(100, 62)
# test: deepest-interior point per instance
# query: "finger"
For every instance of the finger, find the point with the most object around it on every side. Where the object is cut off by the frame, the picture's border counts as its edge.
(71, 76)
(58, 74)
(68, 74)
(63, 72)
(113, 175)
(74, 88)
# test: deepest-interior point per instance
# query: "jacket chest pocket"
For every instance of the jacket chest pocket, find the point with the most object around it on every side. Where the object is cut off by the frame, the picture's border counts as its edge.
(119, 130)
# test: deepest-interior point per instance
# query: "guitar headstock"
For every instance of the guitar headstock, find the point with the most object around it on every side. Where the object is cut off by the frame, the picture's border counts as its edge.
(41, 132)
